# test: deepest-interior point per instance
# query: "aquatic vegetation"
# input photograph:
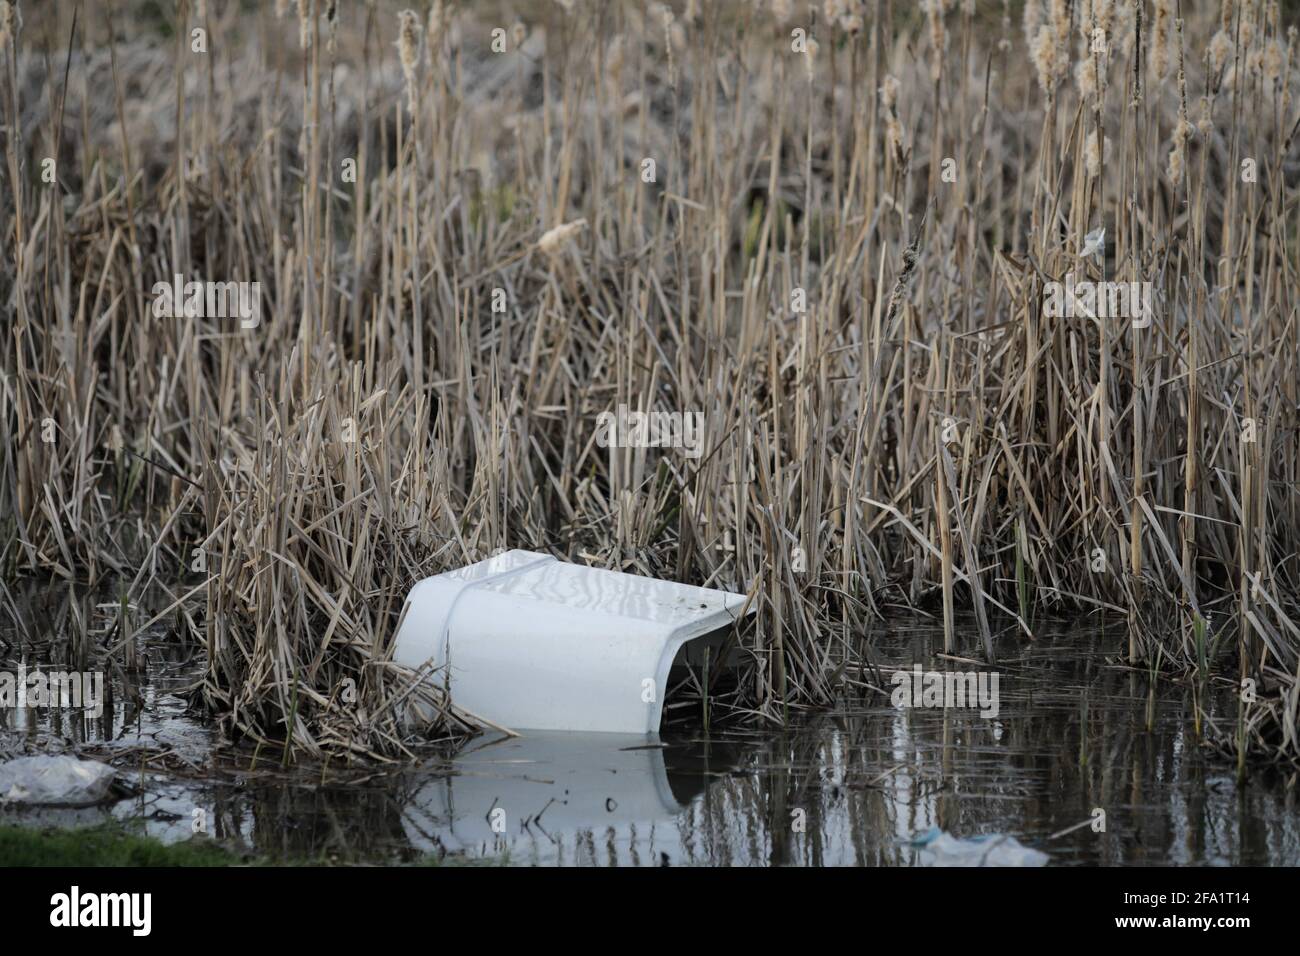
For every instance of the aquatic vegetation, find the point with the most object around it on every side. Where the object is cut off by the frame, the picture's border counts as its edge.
(110, 844)
(830, 240)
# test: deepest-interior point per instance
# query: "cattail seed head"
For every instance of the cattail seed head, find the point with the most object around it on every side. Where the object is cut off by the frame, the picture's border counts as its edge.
(1128, 24)
(408, 52)
(1104, 15)
(1178, 155)
(553, 240)
(1255, 61)
(1085, 75)
(667, 19)
(893, 128)
(1291, 35)
(894, 136)
(9, 22)
(1175, 169)
(304, 23)
(1161, 39)
(1205, 122)
(938, 36)
(1092, 154)
(1220, 49)
(615, 57)
(1246, 25)
(1043, 55)
(1031, 20)
(1060, 15)
(1225, 16)
(1184, 130)
(889, 92)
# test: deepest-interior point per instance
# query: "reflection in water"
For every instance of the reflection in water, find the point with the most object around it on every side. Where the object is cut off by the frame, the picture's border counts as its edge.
(1074, 734)
(564, 798)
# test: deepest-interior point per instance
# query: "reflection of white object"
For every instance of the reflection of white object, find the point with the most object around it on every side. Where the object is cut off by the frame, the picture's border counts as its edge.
(996, 849)
(537, 643)
(54, 781)
(543, 785)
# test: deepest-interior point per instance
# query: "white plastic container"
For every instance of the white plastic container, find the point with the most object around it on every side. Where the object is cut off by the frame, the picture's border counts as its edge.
(533, 643)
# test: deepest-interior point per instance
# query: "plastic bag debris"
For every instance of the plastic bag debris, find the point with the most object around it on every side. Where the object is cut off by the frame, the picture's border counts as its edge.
(992, 849)
(54, 781)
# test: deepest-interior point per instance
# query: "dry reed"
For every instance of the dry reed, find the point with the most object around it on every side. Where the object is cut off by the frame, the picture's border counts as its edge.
(923, 433)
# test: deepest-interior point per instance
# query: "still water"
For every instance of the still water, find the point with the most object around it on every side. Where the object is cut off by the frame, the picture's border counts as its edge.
(1079, 741)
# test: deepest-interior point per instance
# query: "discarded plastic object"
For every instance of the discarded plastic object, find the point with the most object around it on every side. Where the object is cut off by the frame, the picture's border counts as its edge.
(54, 781)
(539, 644)
(992, 849)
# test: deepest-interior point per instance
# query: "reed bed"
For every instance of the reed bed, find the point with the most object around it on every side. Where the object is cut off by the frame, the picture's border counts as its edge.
(840, 260)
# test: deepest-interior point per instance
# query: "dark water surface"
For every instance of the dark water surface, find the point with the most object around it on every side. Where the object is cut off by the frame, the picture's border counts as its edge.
(1076, 733)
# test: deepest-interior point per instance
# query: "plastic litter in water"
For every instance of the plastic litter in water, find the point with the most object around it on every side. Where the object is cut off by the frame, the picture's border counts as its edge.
(994, 849)
(54, 781)
(533, 643)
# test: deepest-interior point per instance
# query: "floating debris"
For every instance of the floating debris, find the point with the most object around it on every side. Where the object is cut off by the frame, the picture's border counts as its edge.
(542, 644)
(55, 781)
(992, 849)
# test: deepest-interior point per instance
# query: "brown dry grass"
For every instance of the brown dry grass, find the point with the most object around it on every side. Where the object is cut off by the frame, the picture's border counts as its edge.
(1072, 440)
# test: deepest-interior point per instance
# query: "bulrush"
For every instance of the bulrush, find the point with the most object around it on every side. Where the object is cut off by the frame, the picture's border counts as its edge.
(553, 240)
(408, 52)
(9, 22)
(894, 411)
